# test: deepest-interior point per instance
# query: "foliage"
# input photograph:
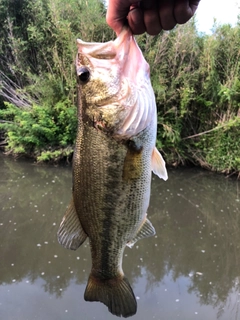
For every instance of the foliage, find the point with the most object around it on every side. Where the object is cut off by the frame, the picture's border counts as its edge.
(195, 79)
(196, 82)
(31, 131)
(37, 69)
(220, 147)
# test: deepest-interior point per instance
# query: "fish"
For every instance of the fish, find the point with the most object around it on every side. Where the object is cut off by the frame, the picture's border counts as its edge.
(113, 161)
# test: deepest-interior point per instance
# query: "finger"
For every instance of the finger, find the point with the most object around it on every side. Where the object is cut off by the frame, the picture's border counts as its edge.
(185, 9)
(117, 12)
(166, 14)
(135, 21)
(152, 22)
(151, 17)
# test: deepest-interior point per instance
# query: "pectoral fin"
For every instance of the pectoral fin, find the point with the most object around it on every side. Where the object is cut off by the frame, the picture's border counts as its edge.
(70, 233)
(146, 230)
(158, 165)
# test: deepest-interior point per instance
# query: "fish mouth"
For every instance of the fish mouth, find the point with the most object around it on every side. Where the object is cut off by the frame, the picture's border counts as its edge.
(123, 52)
(117, 49)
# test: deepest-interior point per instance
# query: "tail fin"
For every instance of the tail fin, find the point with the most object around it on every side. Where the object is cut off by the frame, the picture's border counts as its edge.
(115, 293)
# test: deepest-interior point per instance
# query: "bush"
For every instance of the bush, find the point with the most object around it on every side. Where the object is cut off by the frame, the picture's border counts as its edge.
(219, 149)
(37, 77)
(45, 133)
(196, 83)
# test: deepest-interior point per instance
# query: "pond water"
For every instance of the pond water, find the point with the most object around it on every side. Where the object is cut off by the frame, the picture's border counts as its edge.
(189, 270)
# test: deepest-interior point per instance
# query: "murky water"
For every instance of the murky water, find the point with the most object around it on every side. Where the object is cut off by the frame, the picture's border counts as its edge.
(189, 270)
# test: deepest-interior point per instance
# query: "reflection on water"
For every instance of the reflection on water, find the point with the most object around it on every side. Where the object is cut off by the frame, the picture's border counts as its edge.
(189, 270)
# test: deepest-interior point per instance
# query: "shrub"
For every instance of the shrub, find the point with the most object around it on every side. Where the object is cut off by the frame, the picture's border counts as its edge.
(45, 133)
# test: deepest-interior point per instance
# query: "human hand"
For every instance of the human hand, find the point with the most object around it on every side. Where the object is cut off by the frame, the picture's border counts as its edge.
(151, 16)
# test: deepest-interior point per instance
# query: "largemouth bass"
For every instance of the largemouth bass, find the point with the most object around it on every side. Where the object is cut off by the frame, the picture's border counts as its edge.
(113, 159)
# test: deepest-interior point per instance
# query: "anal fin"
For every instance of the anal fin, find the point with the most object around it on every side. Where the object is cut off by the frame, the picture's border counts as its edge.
(146, 230)
(70, 233)
(158, 165)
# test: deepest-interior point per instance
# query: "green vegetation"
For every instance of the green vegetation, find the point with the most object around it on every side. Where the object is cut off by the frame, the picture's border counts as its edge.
(196, 79)
(196, 82)
(37, 72)
(41, 132)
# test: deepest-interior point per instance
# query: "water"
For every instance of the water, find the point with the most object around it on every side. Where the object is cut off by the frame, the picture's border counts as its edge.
(189, 270)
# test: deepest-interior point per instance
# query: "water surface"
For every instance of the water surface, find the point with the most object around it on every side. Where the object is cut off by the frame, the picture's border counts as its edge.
(189, 270)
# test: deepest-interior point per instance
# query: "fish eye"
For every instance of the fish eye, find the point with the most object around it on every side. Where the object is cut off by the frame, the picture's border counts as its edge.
(83, 74)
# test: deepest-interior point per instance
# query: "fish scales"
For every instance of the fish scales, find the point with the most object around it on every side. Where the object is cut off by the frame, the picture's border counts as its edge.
(109, 200)
(113, 159)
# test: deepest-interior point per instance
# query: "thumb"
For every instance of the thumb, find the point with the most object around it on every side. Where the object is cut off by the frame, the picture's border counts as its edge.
(117, 13)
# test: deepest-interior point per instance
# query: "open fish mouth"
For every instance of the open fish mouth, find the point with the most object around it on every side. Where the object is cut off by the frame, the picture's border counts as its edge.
(107, 50)
(122, 49)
